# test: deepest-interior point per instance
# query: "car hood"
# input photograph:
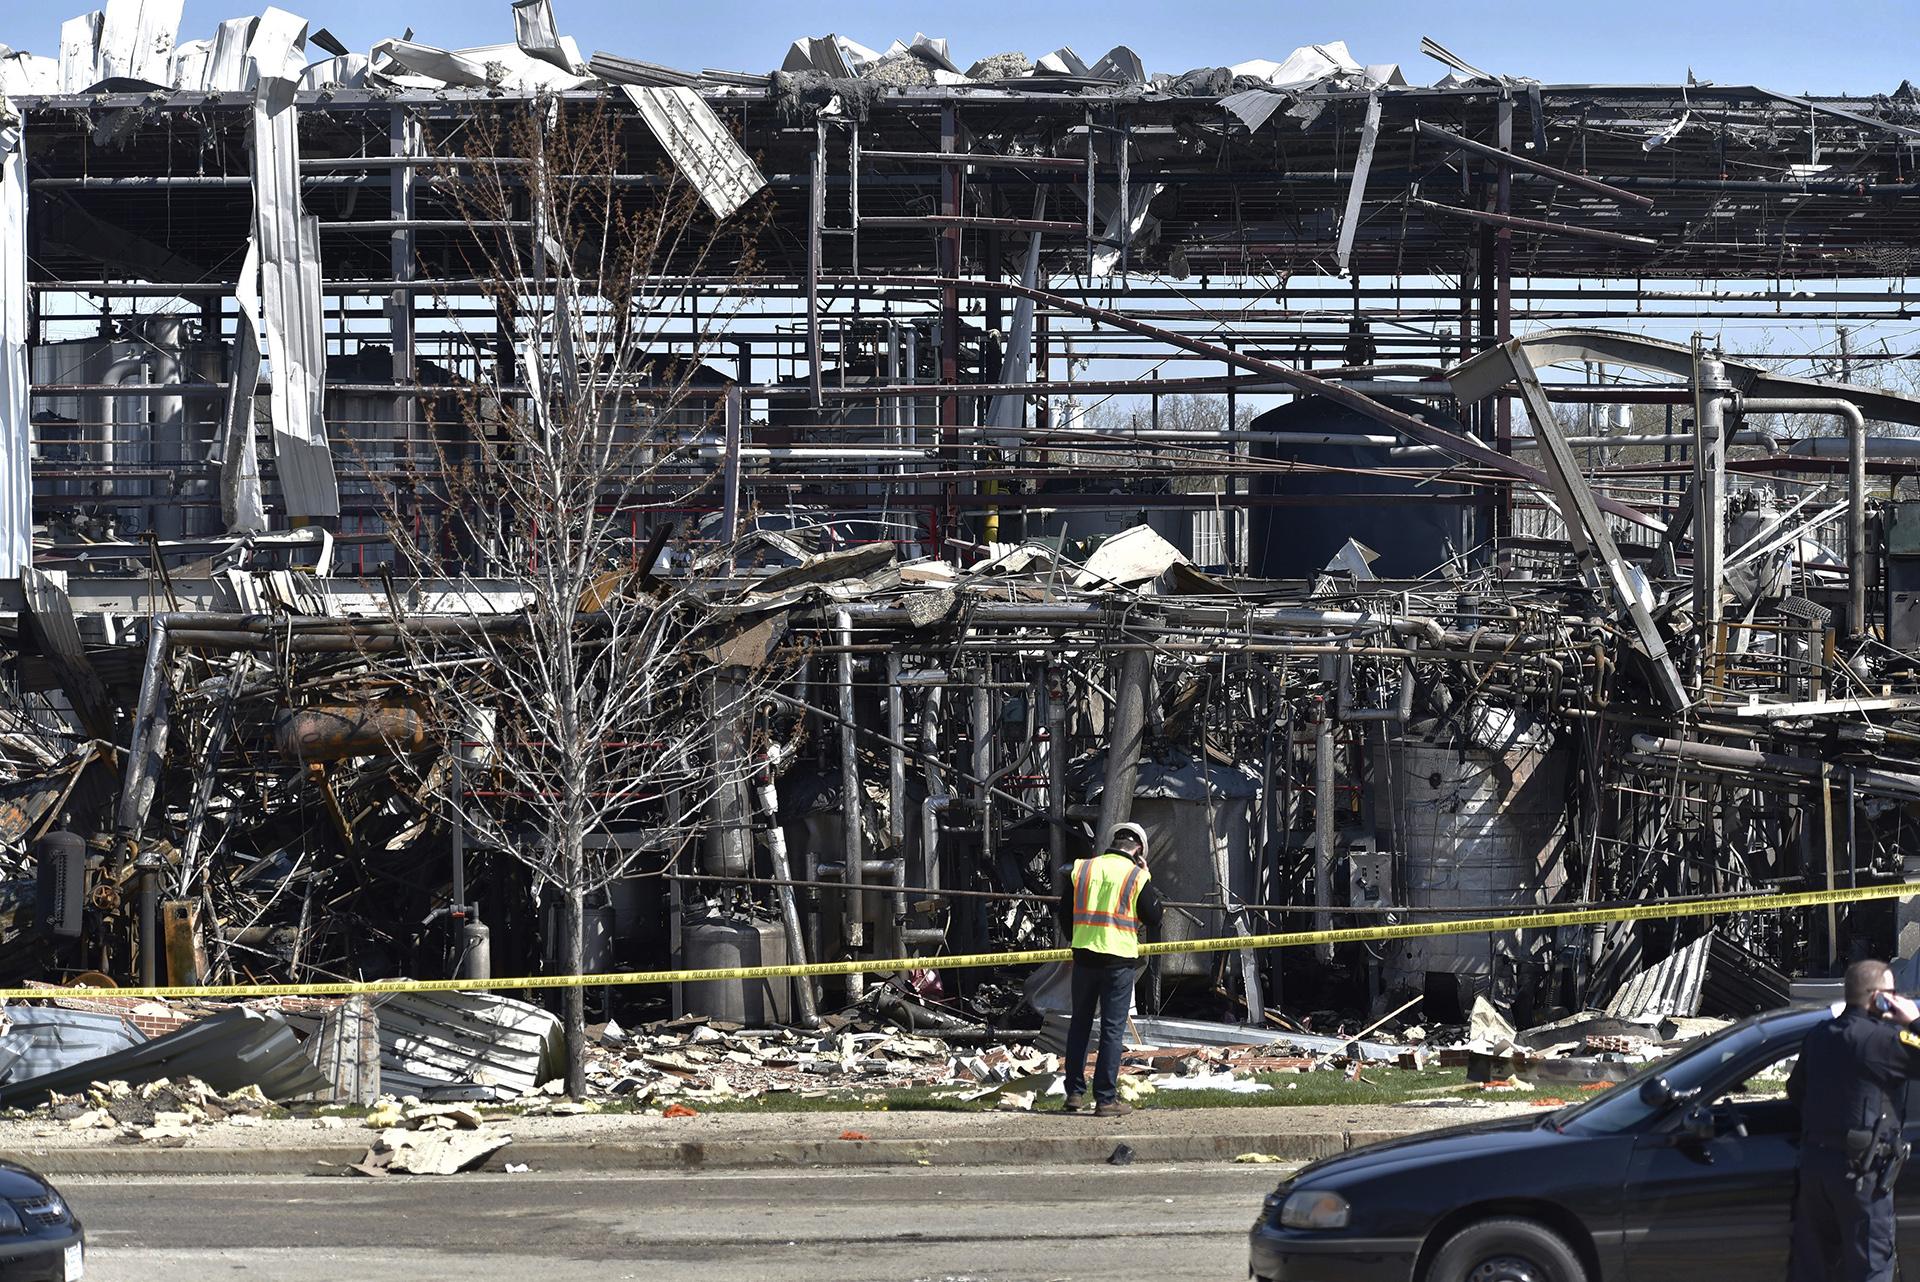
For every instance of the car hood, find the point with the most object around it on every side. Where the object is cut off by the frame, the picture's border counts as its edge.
(1478, 1139)
(17, 1181)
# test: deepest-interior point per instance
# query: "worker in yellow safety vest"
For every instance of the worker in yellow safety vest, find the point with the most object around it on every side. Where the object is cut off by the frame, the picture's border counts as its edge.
(1104, 904)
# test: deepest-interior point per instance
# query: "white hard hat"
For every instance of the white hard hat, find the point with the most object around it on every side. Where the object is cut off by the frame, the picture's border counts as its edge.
(1135, 831)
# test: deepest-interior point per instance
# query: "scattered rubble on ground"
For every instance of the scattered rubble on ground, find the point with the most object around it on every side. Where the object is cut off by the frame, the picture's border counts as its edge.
(163, 1112)
(680, 1067)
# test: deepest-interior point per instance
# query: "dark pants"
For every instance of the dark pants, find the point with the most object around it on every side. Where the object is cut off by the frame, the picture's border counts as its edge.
(1109, 988)
(1840, 1231)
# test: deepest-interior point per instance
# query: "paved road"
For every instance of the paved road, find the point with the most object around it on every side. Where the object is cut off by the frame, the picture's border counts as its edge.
(879, 1225)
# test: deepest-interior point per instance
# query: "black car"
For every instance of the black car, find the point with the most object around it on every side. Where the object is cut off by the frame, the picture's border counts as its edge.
(40, 1237)
(1682, 1173)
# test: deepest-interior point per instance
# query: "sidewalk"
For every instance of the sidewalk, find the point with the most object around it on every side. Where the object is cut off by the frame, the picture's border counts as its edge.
(615, 1142)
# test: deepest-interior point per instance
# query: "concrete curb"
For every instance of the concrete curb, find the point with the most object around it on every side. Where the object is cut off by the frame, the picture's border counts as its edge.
(612, 1156)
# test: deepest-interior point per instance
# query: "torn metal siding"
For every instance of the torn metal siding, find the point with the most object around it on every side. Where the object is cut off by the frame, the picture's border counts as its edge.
(16, 414)
(25, 74)
(80, 52)
(49, 621)
(137, 38)
(288, 240)
(224, 69)
(47, 1039)
(234, 1049)
(1356, 194)
(538, 37)
(1673, 987)
(700, 144)
(430, 1040)
(241, 505)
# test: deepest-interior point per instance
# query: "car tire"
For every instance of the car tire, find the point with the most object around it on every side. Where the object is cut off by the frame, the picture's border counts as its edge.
(1506, 1250)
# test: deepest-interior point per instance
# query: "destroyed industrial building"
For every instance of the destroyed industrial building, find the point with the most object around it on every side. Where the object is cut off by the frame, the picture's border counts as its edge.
(1455, 599)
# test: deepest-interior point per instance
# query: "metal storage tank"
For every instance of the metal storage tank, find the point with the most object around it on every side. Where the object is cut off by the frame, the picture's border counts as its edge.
(163, 441)
(712, 940)
(1199, 822)
(1476, 812)
(1295, 539)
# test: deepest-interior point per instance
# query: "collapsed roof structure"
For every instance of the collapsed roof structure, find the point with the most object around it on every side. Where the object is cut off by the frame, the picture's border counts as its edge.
(1389, 648)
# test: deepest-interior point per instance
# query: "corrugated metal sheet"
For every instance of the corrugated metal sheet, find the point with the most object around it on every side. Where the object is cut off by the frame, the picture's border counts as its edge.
(16, 417)
(431, 1041)
(236, 1048)
(1711, 975)
(137, 37)
(46, 1039)
(700, 144)
(534, 31)
(289, 243)
(51, 624)
(80, 52)
(1672, 987)
(241, 505)
(222, 66)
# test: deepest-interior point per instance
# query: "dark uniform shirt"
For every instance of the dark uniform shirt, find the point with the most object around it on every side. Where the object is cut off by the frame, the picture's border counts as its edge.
(1850, 1087)
(1852, 1070)
(1147, 907)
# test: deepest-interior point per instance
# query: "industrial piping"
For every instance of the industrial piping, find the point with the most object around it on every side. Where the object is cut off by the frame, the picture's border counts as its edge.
(1856, 486)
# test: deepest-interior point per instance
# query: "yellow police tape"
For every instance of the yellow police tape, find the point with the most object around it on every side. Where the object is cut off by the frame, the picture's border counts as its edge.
(1290, 939)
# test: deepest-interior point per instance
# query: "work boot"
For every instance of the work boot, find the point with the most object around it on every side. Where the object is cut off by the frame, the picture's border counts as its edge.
(1075, 1104)
(1114, 1108)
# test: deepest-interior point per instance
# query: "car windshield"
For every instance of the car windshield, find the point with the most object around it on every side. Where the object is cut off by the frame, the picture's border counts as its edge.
(1687, 1069)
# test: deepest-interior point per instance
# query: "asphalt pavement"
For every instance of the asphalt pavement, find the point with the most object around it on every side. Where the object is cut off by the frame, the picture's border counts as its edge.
(978, 1224)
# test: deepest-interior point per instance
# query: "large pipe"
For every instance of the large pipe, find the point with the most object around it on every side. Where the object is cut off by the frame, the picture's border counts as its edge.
(1056, 768)
(897, 782)
(1236, 620)
(769, 798)
(1856, 486)
(982, 712)
(1870, 780)
(1760, 440)
(1323, 802)
(930, 808)
(1124, 741)
(149, 878)
(1397, 714)
(1834, 447)
(1711, 392)
(336, 731)
(855, 908)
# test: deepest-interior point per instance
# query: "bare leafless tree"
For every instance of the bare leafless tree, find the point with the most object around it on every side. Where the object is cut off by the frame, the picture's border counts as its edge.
(584, 720)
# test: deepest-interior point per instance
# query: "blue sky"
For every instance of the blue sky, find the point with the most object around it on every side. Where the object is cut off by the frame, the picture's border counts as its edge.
(1792, 47)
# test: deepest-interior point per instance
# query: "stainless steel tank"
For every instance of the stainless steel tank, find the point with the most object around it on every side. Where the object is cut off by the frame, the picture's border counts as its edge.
(713, 941)
(1477, 814)
(1199, 822)
(153, 442)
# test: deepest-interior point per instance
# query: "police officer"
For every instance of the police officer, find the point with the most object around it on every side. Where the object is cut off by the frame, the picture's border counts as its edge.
(1849, 1086)
(1104, 901)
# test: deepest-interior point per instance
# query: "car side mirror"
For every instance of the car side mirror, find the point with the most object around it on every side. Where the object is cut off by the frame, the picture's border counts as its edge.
(1697, 1123)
